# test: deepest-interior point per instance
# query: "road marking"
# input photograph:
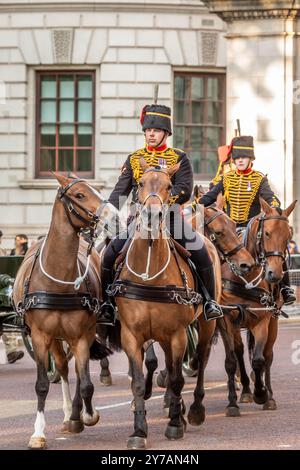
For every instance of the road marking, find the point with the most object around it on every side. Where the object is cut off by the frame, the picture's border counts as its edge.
(284, 445)
(124, 403)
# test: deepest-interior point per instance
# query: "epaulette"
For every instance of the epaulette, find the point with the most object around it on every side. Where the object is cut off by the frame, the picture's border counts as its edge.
(180, 152)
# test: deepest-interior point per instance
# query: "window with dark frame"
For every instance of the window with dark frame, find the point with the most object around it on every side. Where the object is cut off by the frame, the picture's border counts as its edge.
(65, 123)
(199, 119)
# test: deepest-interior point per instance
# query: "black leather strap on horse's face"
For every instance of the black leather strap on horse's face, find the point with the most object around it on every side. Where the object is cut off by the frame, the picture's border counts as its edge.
(92, 219)
(262, 254)
(213, 238)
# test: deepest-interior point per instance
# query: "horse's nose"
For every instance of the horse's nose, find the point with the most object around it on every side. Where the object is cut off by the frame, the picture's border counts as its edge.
(271, 277)
(245, 267)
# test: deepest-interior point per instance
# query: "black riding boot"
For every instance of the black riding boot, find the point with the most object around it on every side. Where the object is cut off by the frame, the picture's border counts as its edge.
(107, 314)
(287, 292)
(212, 309)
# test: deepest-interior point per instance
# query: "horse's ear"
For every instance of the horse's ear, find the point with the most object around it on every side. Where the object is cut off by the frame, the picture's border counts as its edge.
(196, 192)
(286, 212)
(201, 190)
(265, 207)
(63, 180)
(144, 165)
(72, 175)
(220, 202)
(173, 169)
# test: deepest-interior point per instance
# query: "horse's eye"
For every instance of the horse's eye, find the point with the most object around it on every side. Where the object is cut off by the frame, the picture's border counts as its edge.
(79, 196)
(141, 184)
(267, 234)
(218, 233)
(169, 187)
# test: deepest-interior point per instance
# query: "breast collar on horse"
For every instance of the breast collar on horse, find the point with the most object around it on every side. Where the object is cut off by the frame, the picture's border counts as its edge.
(64, 301)
(260, 295)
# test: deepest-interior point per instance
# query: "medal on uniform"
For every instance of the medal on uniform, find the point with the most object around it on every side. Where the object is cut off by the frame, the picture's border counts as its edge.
(162, 163)
(249, 187)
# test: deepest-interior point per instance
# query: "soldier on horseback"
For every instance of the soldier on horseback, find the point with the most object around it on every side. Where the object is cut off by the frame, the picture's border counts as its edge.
(156, 124)
(242, 188)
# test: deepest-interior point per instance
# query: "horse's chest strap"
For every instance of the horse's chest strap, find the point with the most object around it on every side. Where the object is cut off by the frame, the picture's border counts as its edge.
(53, 301)
(162, 294)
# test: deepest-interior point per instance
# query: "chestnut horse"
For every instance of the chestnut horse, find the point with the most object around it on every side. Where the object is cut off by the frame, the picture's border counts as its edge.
(221, 231)
(158, 302)
(266, 238)
(55, 307)
(259, 304)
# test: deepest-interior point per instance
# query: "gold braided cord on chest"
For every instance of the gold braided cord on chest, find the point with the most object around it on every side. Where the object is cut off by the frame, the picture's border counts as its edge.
(238, 196)
(152, 159)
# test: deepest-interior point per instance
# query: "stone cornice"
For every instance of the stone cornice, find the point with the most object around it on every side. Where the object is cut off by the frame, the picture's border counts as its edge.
(115, 7)
(237, 10)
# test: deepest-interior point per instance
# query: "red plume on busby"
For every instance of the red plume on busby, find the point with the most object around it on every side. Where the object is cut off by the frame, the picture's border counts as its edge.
(143, 114)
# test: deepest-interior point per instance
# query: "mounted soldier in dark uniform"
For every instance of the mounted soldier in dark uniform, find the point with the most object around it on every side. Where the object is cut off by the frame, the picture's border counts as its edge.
(242, 188)
(156, 124)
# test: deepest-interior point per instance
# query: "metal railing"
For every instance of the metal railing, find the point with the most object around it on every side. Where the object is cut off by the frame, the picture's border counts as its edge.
(294, 273)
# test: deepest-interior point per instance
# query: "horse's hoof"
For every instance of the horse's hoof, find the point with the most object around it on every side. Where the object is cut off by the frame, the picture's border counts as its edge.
(89, 420)
(174, 432)
(246, 398)
(75, 426)
(136, 442)
(232, 411)
(106, 380)
(262, 398)
(270, 405)
(161, 380)
(196, 418)
(132, 406)
(37, 443)
(65, 427)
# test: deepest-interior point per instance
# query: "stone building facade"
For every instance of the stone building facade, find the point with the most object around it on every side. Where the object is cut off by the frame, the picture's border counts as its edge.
(74, 76)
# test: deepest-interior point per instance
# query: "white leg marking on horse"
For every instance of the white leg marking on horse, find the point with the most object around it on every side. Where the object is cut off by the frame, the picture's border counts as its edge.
(39, 425)
(67, 401)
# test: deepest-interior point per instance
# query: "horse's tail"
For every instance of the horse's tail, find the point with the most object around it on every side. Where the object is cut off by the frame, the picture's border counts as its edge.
(98, 350)
(111, 335)
(251, 344)
(114, 336)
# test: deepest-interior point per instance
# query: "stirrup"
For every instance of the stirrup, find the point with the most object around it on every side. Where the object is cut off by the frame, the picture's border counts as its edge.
(107, 314)
(212, 310)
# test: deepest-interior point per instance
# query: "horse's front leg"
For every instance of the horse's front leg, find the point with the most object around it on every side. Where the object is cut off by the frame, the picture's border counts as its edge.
(133, 350)
(84, 388)
(41, 344)
(260, 333)
(246, 394)
(196, 414)
(151, 364)
(268, 354)
(174, 353)
(232, 409)
(62, 366)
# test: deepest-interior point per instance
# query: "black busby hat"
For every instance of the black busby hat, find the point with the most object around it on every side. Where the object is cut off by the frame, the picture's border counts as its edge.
(242, 146)
(155, 116)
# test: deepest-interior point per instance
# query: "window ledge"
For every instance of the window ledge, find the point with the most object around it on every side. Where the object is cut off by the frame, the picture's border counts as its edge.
(53, 184)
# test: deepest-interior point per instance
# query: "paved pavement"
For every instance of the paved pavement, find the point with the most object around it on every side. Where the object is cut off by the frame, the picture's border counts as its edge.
(255, 429)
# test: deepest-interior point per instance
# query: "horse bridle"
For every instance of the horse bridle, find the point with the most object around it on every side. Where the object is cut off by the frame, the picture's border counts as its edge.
(92, 219)
(261, 254)
(214, 239)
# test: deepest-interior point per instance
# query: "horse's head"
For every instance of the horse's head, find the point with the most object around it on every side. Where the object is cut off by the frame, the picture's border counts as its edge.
(272, 233)
(221, 230)
(81, 202)
(153, 194)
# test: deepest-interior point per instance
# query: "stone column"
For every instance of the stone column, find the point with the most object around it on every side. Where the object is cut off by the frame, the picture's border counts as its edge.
(260, 78)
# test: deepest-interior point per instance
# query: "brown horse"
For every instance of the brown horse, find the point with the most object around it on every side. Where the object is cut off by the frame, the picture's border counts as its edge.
(58, 308)
(152, 278)
(259, 296)
(221, 230)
